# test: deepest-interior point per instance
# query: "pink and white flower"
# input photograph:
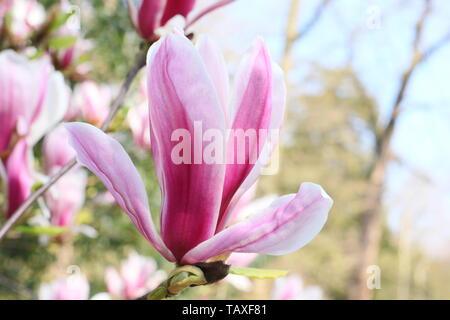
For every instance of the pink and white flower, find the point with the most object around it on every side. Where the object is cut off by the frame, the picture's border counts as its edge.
(149, 15)
(26, 16)
(292, 288)
(138, 119)
(33, 98)
(136, 277)
(91, 101)
(66, 197)
(73, 287)
(188, 84)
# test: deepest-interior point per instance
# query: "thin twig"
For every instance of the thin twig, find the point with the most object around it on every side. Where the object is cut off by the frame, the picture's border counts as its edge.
(115, 106)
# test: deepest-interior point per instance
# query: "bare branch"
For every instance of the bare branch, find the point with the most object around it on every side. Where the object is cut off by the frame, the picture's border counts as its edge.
(372, 223)
(310, 24)
(292, 35)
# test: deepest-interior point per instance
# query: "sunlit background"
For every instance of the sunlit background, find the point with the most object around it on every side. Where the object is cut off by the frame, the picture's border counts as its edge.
(354, 71)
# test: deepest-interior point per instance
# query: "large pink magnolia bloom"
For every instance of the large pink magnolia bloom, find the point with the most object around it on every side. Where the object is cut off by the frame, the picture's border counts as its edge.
(33, 98)
(187, 84)
(66, 197)
(73, 287)
(137, 276)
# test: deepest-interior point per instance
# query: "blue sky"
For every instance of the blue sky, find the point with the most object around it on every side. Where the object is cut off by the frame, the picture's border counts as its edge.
(379, 57)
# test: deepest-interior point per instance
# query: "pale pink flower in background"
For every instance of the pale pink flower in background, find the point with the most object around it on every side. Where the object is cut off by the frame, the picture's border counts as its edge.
(73, 287)
(138, 119)
(33, 98)
(291, 287)
(187, 84)
(91, 101)
(26, 16)
(69, 58)
(66, 197)
(19, 175)
(137, 276)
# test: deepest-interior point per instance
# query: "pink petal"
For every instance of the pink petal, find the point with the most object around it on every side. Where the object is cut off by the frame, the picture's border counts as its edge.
(174, 7)
(20, 177)
(180, 94)
(107, 159)
(148, 17)
(216, 67)
(252, 110)
(114, 283)
(139, 124)
(54, 107)
(23, 86)
(289, 224)
(66, 197)
(56, 149)
(93, 100)
(278, 108)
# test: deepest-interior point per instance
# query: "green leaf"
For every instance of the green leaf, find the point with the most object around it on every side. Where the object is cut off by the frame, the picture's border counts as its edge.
(258, 273)
(60, 20)
(36, 186)
(62, 42)
(39, 53)
(50, 230)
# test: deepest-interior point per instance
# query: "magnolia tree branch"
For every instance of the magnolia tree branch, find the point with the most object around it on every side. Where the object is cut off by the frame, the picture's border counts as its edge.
(371, 229)
(115, 106)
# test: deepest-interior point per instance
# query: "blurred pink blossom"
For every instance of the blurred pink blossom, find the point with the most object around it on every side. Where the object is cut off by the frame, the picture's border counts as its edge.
(137, 276)
(73, 287)
(291, 287)
(66, 197)
(138, 118)
(33, 98)
(91, 101)
(26, 16)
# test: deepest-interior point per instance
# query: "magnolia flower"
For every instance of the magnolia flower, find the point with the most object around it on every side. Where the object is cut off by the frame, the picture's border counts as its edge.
(19, 176)
(137, 276)
(33, 98)
(66, 197)
(73, 287)
(69, 58)
(188, 85)
(292, 288)
(26, 16)
(150, 17)
(91, 101)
